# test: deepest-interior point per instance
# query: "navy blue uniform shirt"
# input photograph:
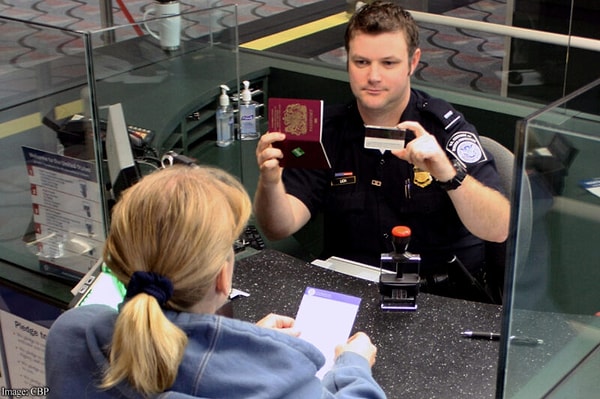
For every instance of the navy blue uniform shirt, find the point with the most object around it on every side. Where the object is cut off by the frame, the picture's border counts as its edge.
(366, 193)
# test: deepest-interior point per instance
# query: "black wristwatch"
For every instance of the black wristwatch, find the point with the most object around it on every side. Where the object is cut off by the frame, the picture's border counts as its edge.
(456, 181)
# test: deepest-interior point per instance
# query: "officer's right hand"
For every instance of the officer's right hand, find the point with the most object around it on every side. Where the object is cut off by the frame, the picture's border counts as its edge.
(268, 157)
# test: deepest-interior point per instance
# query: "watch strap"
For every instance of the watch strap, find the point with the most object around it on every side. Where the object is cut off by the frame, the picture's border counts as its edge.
(456, 181)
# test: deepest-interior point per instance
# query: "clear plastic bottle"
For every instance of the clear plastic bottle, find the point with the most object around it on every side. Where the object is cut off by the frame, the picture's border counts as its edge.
(248, 128)
(224, 117)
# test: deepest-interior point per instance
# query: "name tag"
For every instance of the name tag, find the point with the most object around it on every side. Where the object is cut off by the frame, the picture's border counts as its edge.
(343, 180)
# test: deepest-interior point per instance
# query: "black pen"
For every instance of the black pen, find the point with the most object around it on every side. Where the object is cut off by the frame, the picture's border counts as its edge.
(491, 336)
(513, 339)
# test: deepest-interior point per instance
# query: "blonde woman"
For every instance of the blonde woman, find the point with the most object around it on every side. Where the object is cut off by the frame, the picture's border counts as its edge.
(171, 243)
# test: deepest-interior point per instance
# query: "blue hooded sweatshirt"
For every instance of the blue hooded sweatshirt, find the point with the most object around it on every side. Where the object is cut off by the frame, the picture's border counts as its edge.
(225, 358)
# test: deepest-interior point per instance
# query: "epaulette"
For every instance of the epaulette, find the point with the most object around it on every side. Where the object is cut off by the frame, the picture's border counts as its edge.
(441, 110)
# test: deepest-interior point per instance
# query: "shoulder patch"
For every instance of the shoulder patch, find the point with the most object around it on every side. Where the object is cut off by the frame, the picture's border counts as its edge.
(465, 146)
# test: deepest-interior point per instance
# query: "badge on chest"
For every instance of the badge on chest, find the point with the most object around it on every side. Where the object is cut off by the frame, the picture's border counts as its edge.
(421, 178)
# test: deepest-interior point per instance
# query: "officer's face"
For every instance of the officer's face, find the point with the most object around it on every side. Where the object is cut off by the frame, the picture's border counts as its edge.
(379, 69)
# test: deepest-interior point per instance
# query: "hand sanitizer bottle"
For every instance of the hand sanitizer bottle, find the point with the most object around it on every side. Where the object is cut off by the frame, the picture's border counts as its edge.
(248, 130)
(224, 117)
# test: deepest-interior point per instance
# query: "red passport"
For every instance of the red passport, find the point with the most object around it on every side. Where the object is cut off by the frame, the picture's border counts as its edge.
(302, 122)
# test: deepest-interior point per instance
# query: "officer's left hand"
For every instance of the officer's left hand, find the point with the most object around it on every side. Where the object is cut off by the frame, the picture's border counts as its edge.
(425, 153)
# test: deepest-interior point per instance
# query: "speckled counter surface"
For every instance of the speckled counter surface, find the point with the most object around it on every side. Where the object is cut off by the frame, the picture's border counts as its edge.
(420, 354)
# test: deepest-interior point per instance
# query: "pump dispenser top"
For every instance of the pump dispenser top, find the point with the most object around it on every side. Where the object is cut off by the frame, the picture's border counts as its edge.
(224, 98)
(246, 94)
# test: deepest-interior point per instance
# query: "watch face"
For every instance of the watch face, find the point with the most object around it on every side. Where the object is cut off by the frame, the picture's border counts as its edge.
(460, 169)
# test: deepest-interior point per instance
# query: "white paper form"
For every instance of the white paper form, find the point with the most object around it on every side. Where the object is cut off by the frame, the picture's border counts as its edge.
(325, 319)
(592, 185)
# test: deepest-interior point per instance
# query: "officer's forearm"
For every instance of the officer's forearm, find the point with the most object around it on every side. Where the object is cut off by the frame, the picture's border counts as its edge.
(278, 214)
(484, 211)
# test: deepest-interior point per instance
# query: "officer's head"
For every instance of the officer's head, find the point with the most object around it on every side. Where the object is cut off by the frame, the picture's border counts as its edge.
(383, 17)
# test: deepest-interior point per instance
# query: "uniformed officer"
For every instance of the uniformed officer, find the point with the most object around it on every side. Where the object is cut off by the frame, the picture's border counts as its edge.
(443, 184)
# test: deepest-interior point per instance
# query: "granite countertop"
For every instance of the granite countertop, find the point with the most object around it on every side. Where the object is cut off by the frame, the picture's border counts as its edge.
(421, 354)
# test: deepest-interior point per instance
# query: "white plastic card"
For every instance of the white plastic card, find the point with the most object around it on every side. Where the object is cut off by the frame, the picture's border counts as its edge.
(384, 138)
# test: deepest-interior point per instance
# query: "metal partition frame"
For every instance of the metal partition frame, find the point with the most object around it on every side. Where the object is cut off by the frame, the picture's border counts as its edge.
(552, 281)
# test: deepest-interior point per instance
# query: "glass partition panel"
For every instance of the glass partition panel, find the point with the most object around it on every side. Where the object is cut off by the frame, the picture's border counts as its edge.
(551, 336)
(169, 86)
(50, 206)
(76, 106)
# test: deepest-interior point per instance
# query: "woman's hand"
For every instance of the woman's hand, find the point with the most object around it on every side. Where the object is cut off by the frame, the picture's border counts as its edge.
(280, 323)
(359, 343)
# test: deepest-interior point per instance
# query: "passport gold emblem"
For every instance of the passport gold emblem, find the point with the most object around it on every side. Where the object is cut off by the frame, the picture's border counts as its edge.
(295, 119)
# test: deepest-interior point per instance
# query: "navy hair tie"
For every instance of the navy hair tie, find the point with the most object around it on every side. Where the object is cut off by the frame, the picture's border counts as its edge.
(160, 287)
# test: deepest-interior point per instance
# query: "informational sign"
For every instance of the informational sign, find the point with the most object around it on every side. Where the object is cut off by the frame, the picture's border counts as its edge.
(67, 212)
(24, 344)
(24, 324)
(3, 376)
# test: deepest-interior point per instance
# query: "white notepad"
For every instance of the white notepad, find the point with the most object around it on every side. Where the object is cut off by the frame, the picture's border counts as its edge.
(325, 319)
